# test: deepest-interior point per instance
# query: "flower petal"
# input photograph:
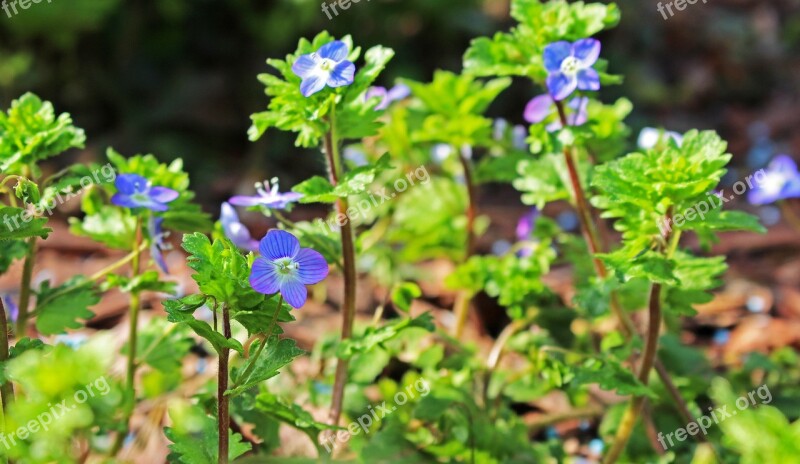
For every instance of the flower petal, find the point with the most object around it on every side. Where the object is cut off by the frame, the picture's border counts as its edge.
(586, 50)
(264, 277)
(336, 51)
(561, 86)
(588, 79)
(555, 53)
(312, 267)
(158, 257)
(305, 65)
(130, 183)
(163, 194)
(294, 292)
(243, 200)
(399, 92)
(343, 74)
(580, 114)
(378, 92)
(312, 84)
(783, 164)
(126, 201)
(279, 244)
(538, 108)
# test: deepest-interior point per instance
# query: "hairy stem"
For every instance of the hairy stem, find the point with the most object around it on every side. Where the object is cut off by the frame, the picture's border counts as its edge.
(597, 246)
(349, 256)
(7, 390)
(634, 408)
(133, 316)
(223, 413)
(25, 289)
(464, 298)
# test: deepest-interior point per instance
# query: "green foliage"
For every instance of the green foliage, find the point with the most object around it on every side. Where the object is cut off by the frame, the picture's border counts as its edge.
(194, 439)
(20, 224)
(318, 190)
(277, 354)
(372, 338)
(31, 132)
(178, 313)
(59, 308)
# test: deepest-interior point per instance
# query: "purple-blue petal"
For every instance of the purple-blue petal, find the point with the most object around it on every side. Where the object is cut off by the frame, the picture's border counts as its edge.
(244, 200)
(11, 308)
(580, 114)
(124, 200)
(279, 244)
(785, 164)
(538, 108)
(158, 257)
(586, 50)
(305, 65)
(311, 85)
(561, 86)
(336, 51)
(312, 267)
(162, 194)
(588, 79)
(381, 93)
(294, 292)
(399, 92)
(264, 277)
(130, 183)
(341, 75)
(555, 53)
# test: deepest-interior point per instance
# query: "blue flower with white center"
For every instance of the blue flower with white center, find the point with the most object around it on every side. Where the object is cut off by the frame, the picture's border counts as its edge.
(327, 66)
(570, 67)
(134, 191)
(286, 268)
(268, 197)
(235, 230)
(157, 242)
(779, 181)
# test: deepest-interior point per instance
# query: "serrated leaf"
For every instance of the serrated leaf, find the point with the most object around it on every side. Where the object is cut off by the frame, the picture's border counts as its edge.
(277, 354)
(176, 314)
(20, 224)
(59, 308)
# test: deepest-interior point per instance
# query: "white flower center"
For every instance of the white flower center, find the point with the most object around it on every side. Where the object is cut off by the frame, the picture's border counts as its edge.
(773, 183)
(327, 64)
(287, 266)
(570, 66)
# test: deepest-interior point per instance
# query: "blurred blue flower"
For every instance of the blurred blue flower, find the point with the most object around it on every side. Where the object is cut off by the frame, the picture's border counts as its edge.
(526, 223)
(11, 308)
(779, 182)
(539, 108)
(157, 242)
(570, 67)
(235, 230)
(650, 136)
(134, 191)
(327, 66)
(286, 268)
(271, 199)
(396, 93)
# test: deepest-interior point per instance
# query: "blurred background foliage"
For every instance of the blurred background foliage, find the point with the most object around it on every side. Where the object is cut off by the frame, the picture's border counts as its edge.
(178, 77)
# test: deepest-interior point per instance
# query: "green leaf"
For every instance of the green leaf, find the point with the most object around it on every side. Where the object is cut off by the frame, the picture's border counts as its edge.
(11, 250)
(403, 294)
(176, 313)
(147, 281)
(276, 355)
(112, 226)
(20, 224)
(23, 345)
(374, 337)
(162, 346)
(59, 308)
(202, 446)
(291, 414)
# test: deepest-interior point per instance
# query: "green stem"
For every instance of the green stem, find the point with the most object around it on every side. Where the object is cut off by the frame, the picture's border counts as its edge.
(331, 146)
(264, 340)
(7, 390)
(25, 289)
(130, 378)
(223, 413)
(464, 298)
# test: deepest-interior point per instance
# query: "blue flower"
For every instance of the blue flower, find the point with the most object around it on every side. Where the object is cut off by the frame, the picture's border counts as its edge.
(271, 199)
(649, 137)
(286, 268)
(526, 223)
(396, 93)
(779, 182)
(157, 242)
(11, 308)
(327, 66)
(235, 230)
(570, 67)
(539, 108)
(134, 191)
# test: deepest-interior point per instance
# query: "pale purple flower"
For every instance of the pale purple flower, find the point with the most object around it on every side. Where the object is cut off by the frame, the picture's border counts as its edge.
(235, 230)
(11, 308)
(327, 66)
(779, 181)
(158, 243)
(541, 107)
(396, 93)
(649, 137)
(526, 223)
(134, 191)
(271, 198)
(286, 268)
(570, 67)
